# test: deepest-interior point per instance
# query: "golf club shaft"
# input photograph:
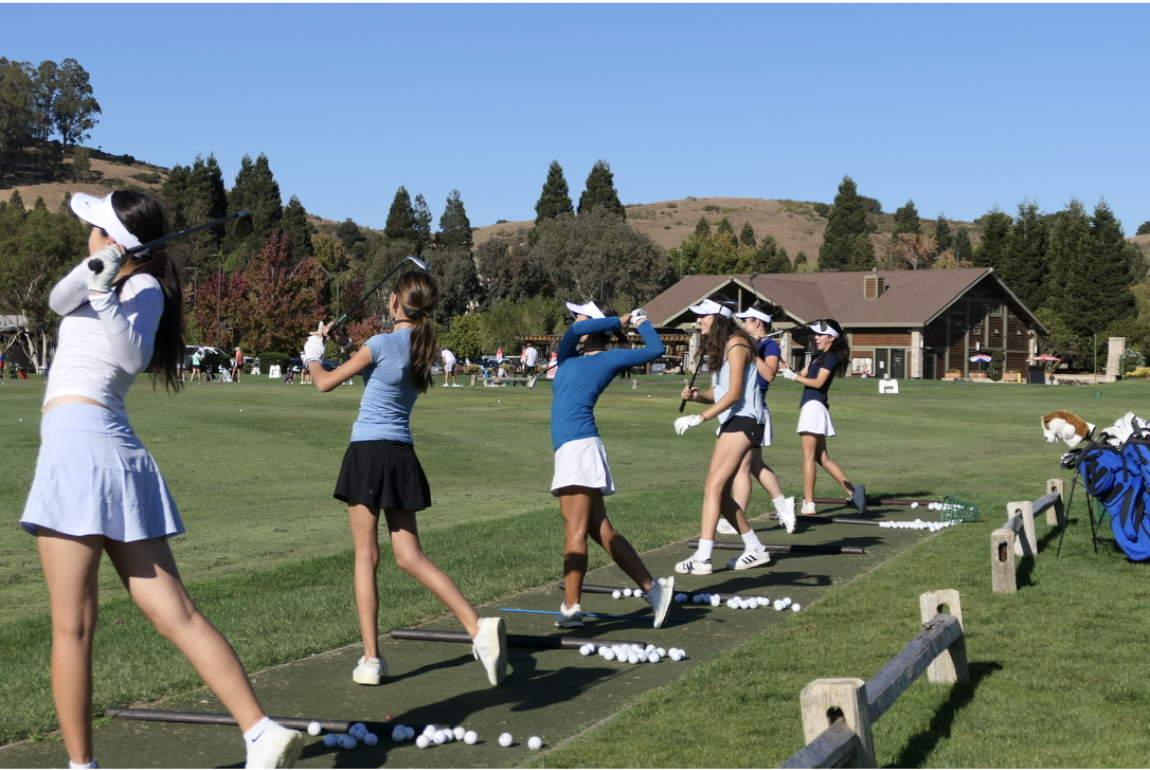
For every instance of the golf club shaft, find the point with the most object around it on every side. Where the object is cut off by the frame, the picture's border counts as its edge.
(797, 548)
(698, 366)
(415, 260)
(196, 717)
(513, 640)
(96, 265)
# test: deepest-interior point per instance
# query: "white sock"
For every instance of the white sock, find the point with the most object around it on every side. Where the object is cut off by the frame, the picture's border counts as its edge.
(93, 763)
(780, 503)
(257, 731)
(751, 541)
(705, 548)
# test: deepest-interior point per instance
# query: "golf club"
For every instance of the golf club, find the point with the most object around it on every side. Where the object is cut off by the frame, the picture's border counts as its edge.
(796, 548)
(698, 366)
(513, 640)
(196, 717)
(410, 258)
(242, 229)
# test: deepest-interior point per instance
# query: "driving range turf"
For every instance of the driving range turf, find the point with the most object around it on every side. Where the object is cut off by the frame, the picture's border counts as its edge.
(266, 558)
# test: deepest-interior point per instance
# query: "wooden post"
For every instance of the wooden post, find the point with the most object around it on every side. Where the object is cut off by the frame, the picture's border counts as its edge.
(1056, 514)
(950, 666)
(1002, 577)
(826, 700)
(1028, 544)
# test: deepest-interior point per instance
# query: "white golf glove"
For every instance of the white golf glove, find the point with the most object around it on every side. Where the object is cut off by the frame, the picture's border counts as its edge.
(683, 424)
(109, 259)
(789, 374)
(313, 349)
(638, 316)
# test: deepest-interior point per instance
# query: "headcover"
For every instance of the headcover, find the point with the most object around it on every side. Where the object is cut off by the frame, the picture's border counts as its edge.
(590, 309)
(710, 307)
(822, 327)
(754, 313)
(1069, 427)
(99, 212)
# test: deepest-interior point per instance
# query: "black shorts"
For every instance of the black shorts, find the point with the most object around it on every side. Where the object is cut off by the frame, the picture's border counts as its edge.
(748, 426)
(383, 474)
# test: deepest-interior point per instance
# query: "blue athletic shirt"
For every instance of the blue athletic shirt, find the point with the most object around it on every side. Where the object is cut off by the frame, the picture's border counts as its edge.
(766, 348)
(829, 361)
(580, 379)
(388, 392)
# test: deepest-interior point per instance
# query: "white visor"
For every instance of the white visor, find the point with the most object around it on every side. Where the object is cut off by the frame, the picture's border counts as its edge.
(753, 313)
(99, 213)
(710, 307)
(824, 328)
(590, 309)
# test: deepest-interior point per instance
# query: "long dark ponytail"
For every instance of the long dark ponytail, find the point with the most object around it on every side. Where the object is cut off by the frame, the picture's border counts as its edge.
(417, 292)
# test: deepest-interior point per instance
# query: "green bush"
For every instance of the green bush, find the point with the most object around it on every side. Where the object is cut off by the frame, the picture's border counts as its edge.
(268, 360)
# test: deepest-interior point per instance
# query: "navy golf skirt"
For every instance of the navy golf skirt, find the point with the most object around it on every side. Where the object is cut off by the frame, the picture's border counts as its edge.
(383, 474)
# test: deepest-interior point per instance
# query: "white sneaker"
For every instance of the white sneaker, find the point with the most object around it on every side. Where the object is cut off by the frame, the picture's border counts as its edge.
(490, 648)
(692, 567)
(749, 559)
(725, 527)
(787, 515)
(569, 618)
(809, 508)
(369, 670)
(659, 597)
(277, 747)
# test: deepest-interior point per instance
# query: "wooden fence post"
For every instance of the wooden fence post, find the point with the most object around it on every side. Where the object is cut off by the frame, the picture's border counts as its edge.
(950, 666)
(1027, 545)
(826, 700)
(1056, 514)
(1002, 577)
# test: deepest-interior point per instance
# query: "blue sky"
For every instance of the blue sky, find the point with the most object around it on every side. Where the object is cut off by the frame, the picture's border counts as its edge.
(960, 108)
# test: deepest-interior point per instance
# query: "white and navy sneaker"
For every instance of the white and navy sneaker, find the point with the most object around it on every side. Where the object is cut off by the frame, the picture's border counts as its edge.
(750, 559)
(692, 567)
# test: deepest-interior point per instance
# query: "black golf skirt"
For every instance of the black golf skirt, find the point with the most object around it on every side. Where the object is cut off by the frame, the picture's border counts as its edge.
(383, 474)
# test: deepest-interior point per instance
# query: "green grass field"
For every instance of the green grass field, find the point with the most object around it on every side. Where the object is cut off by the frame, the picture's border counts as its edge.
(1054, 666)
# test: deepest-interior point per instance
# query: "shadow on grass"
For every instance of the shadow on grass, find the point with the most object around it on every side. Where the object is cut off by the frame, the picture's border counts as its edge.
(919, 748)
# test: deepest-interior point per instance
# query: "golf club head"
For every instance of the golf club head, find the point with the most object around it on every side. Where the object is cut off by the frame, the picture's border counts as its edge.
(244, 226)
(417, 262)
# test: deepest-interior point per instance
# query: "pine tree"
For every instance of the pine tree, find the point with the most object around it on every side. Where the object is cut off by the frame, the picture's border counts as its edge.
(846, 239)
(1023, 266)
(906, 220)
(401, 224)
(423, 221)
(942, 234)
(555, 200)
(298, 229)
(961, 247)
(600, 191)
(995, 238)
(256, 191)
(703, 228)
(454, 226)
(747, 236)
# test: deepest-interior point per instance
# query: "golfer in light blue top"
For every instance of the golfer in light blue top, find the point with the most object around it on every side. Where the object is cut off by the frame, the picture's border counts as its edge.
(582, 476)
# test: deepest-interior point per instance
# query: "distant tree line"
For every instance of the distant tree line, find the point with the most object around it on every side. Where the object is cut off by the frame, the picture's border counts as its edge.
(40, 103)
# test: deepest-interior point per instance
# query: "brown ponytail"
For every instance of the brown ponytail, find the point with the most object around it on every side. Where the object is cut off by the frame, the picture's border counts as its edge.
(417, 293)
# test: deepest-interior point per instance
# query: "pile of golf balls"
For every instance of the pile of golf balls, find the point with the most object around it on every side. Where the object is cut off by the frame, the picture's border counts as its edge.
(933, 526)
(633, 653)
(619, 593)
(356, 735)
(434, 735)
(737, 602)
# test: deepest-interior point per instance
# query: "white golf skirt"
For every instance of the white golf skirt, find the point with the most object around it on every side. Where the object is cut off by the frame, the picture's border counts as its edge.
(94, 477)
(583, 463)
(814, 417)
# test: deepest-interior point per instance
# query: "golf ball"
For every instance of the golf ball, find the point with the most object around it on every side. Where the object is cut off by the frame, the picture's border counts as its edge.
(796, 607)
(505, 740)
(313, 728)
(587, 649)
(914, 504)
(399, 734)
(370, 739)
(439, 738)
(654, 657)
(616, 594)
(535, 743)
(459, 732)
(423, 741)
(637, 593)
(409, 732)
(348, 742)
(330, 740)
(357, 728)
(607, 653)
(680, 598)
(627, 591)
(716, 600)
(470, 737)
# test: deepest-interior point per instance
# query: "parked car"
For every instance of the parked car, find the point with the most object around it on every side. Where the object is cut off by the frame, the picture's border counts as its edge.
(205, 350)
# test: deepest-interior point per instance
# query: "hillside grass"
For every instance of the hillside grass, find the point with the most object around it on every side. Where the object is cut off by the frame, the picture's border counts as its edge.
(267, 558)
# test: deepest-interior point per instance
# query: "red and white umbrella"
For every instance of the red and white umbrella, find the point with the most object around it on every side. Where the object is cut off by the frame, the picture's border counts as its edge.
(1046, 357)
(980, 358)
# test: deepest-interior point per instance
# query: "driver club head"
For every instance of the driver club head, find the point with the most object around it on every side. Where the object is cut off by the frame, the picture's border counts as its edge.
(418, 263)
(244, 225)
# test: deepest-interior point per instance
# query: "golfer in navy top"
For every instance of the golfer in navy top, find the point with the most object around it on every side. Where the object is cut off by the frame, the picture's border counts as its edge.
(582, 477)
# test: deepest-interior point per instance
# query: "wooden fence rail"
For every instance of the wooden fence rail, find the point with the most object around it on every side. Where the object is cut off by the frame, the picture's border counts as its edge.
(1017, 537)
(838, 714)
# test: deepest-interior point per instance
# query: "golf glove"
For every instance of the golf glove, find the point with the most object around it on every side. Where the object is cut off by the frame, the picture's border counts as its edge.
(312, 350)
(108, 259)
(683, 424)
(789, 374)
(638, 315)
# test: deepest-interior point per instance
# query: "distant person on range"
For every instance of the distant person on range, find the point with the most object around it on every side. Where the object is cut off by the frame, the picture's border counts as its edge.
(448, 368)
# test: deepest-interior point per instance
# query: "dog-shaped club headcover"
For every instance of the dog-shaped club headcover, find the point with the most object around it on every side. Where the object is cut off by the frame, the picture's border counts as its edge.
(1067, 426)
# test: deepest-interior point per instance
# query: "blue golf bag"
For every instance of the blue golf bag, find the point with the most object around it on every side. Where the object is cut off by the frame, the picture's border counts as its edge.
(1119, 478)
